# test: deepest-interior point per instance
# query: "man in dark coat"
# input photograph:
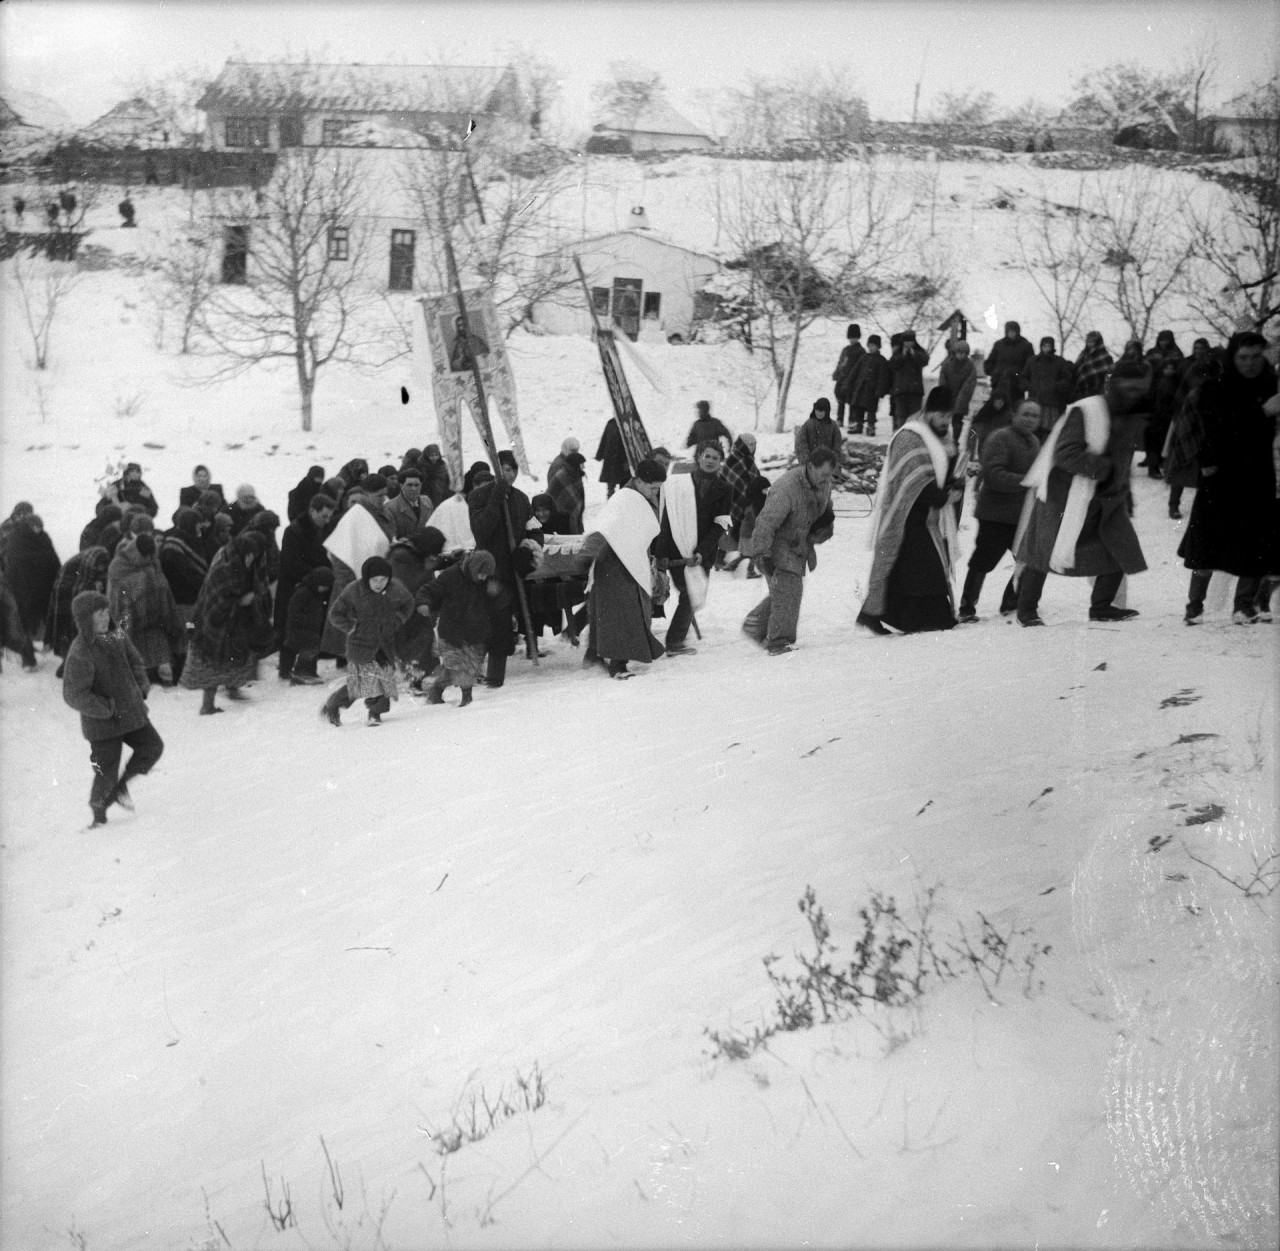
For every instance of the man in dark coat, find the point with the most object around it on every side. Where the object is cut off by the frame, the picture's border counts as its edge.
(959, 376)
(872, 380)
(310, 484)
(852, 353)
(1006, 457)
(410, 510)
(105, 681)
(1048, 380)
(301, 550)
(1233, 519)
(906, 364)
(712, 498)
(1079, 522)
(612, 452)
(818, 431)
(705, 427)
(1006, 360)
(489, 526)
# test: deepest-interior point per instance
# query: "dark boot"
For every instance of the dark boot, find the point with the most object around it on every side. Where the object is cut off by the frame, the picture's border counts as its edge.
(207, 706)
(495, 673)
(969, 595)
(466, 697)
(1009, 600)
(333, 706)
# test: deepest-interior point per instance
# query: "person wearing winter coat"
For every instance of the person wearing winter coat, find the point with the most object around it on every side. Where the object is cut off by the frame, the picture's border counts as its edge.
(818, 431)
(12, 634)
(566, 485)
(1233, 518)
(21, 511)
(182, 559)
(105, 681)
(705, 427)
(266, 523)
(913, 528)
(244, 507)
(130, 489)
(309, 485)
(872, 380)
(615, 469)
(1005, 362)
(142, 604)
(60, 626)
(485, 507)
(302, 550)
(1007, 456)
(1048, 380)
(959, 375)
(740, 475)
(850, 355)
(1166, 349)
(436, 484)
(368, 614)
(1180, 462)
(230, 625)
(797, 515)
(459, 601)
(305, 615)
(1164, 403)
(712, 503)
(201, 481)
(105, 515)
(906, 364)
(31, 568)
(371, 496)
(410, 510)
(414, 562)
(354, 472)
(1076, 518)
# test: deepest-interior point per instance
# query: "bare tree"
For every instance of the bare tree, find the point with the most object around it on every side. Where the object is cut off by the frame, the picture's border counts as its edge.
(182, 271)
(812, 239)
(1197, 72)
(540, 84)
(1057, 254)
(1236, 235)
(173, 94)
(1137, 229)
(925, 294)
(1032, 114)
(300, 294)
(43, 285)
(969, 107)
(628, 91)
(824, 107)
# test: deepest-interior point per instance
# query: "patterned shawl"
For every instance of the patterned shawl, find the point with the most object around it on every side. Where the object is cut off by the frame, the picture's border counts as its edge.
(915, 459)
(739, 472)
(1092, 367)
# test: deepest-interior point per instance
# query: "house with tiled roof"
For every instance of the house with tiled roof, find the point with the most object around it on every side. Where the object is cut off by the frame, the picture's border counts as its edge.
(271, 105)
(1250, 121)
(656, 128)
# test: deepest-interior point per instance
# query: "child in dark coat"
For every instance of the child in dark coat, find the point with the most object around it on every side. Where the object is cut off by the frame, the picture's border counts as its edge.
(105, 681)
(460, 599)
(304, 626)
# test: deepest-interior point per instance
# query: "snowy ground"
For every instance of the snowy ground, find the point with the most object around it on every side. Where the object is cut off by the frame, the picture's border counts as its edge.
(306, 933)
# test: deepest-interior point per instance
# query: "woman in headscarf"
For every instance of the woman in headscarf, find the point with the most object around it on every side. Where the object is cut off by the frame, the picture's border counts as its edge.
(85, 571)
(31, 567)
(460, 599)
(914, 528)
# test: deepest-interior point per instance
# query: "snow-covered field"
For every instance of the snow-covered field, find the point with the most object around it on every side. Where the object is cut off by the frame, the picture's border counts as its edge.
(305, 934)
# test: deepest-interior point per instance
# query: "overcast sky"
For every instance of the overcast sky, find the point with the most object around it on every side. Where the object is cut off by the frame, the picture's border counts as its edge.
(83, 53)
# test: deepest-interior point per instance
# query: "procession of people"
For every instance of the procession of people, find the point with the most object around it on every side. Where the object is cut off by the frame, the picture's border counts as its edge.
(407, 580)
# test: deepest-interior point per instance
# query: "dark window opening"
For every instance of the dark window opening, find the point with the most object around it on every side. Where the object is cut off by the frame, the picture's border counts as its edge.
(339, 243)
(247, 132)
(652, 305)
(600, 300)
(291, 132)
(333, 132)
(402, 243)
(235, 255)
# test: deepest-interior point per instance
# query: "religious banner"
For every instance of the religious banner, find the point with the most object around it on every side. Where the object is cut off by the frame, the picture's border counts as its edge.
(634, 436)
(453, 381)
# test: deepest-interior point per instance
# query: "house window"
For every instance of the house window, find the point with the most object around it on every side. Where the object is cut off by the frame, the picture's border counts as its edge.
(235, 255)
(339, 243)
(333, 132)
(247, 132)
(600, 300)
(291, 132)
(652, 305)
(401, 278)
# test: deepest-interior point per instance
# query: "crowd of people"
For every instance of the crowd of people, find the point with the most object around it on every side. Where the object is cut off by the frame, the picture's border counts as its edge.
(402, 578)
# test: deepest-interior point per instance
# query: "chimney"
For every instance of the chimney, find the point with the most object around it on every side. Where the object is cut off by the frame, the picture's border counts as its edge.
(639, 219)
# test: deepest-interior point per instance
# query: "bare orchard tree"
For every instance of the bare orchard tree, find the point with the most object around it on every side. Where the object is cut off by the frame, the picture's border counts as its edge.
(1236, 234)
(1136, 226)
(43, 286)
(1055, 244)
(967, 107)
(628, 91)
(810, 239)
(181, 270)
(824, 107)
(292, 284)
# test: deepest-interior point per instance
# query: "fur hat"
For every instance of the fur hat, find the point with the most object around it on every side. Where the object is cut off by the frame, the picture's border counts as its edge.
(873, 340)
(318, 579)
(266, 521)
(650, 471)
(704, 408)
(146, 546)
(106, 511)
(84, 606)
(427, 542)
(372, 483)
(186, 521)
(478, 564)
(375, 567)
(140, 523)
(940, 401)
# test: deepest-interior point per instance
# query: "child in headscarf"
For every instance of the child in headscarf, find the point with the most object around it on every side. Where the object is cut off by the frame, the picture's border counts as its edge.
(460, 599)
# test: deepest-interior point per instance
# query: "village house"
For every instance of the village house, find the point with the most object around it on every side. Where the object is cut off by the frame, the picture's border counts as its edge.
(640, 282)
(1248, 123)
(271, 106)
(656, 128)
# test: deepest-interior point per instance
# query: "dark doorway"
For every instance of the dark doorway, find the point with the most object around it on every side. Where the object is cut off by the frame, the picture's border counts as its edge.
(235, 255)
(291, 132)
(626, 305)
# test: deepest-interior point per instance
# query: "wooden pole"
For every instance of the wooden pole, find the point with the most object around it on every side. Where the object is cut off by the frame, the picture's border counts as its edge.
(486, 433)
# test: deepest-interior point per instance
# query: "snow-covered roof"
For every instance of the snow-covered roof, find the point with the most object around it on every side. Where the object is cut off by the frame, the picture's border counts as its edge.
(1258, 104)
(648, 235)
(306, 86)
(29, 108)
(131, 124)
(657, 118)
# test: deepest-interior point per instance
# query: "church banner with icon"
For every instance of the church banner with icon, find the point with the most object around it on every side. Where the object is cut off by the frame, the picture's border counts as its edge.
(453, 381)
